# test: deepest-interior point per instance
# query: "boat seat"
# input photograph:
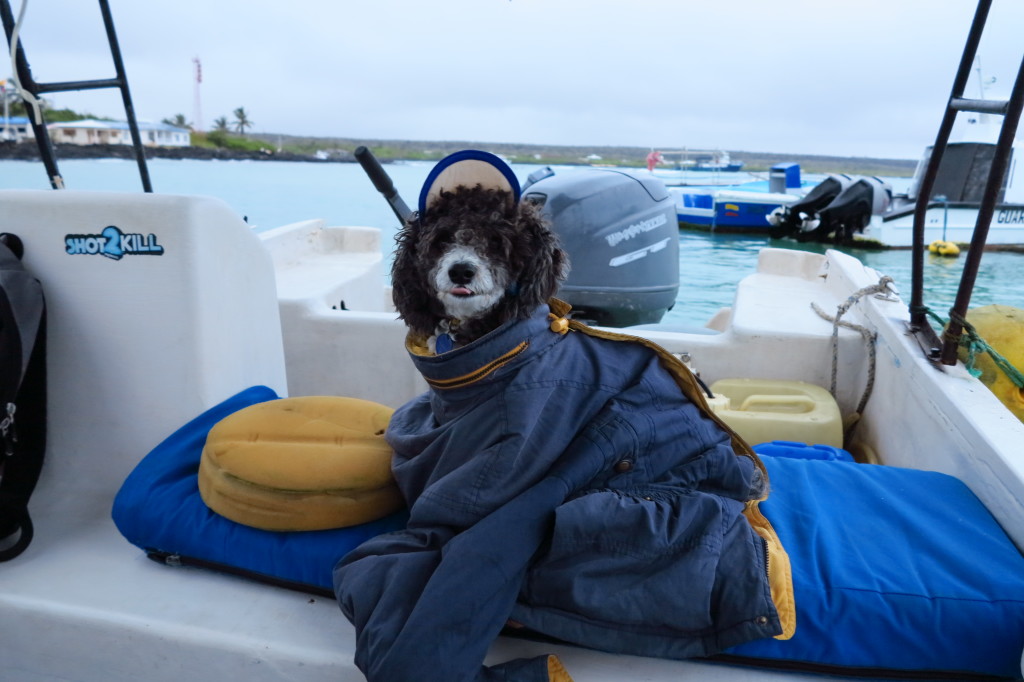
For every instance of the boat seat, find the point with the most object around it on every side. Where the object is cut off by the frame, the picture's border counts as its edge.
(158, 308)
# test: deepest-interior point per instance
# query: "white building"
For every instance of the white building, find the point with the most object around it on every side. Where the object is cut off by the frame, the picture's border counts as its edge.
(91, 131)
(15, 128)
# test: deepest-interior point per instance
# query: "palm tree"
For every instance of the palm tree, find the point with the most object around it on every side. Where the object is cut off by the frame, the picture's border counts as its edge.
(241, 120)
(178, 121)
(221, 124)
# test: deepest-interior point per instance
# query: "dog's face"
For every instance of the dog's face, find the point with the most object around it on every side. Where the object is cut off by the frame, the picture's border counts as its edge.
(469, 277)
(474, 262)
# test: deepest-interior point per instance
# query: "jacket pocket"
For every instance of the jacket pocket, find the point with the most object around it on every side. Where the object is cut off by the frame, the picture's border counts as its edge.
(645, 558)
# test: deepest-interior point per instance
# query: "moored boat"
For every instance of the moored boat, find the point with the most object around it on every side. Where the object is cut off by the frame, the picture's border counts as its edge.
(866, 210)
(685, 167)
(746, 208)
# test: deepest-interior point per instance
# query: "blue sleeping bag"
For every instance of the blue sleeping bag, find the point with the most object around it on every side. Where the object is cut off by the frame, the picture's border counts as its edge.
(893, 570)
(897, 572)
(159, 510)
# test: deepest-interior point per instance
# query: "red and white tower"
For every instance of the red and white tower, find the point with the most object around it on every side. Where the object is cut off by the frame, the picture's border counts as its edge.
(197, 110)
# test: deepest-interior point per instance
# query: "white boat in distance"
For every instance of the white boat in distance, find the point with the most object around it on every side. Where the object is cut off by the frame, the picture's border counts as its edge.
(956, 197)
(864, 209)
(685, 167)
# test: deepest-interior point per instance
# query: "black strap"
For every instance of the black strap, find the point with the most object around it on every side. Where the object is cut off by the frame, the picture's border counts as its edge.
(22, 531)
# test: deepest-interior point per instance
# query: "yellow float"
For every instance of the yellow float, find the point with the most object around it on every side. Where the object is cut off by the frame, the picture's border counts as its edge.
(1002, 327)
(941, 247)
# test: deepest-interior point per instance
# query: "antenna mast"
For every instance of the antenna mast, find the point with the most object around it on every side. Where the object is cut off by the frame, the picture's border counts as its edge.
(197, 110)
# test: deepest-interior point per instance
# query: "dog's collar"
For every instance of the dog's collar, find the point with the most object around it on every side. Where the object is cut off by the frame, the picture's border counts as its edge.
(444, 341)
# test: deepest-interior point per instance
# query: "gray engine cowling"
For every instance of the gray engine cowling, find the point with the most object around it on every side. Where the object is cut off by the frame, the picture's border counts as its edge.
(622, 237)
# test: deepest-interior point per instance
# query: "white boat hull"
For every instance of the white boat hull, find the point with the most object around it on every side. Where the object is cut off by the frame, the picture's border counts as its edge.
(955, 224)
(224, 309)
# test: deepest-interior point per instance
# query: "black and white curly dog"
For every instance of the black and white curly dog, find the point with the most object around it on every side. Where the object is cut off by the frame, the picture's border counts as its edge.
(474, 257)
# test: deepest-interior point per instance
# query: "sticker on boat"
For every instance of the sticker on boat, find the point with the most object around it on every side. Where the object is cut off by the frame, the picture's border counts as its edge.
(112, 243)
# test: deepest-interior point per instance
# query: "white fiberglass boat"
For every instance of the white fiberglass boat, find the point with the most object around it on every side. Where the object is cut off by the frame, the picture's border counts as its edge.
(139, 346)
(161, 308)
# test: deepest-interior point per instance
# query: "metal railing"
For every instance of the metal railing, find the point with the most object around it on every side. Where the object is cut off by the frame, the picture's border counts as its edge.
(1010, 110)
(29, 84)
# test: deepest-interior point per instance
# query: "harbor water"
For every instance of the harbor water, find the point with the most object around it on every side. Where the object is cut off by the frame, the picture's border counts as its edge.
(271, 193)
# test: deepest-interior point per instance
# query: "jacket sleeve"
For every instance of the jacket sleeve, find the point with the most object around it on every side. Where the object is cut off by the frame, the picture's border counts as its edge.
(421, 603)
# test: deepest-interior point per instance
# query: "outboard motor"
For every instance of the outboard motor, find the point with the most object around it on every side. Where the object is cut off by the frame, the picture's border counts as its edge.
(851, 211)
(622, 237)
(802, 216)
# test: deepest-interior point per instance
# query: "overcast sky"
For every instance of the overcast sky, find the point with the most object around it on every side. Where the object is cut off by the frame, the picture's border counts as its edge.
(864, 78)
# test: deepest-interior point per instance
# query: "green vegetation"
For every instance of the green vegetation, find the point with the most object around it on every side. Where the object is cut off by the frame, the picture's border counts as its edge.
(55, 115)
(220, 139)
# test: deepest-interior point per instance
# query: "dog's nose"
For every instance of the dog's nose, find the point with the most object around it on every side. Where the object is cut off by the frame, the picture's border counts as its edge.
(461, 273)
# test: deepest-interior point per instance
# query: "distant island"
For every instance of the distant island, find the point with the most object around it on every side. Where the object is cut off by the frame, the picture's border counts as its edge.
(280, 147)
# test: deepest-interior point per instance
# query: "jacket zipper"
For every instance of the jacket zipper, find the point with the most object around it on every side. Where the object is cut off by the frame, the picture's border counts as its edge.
(764, 549)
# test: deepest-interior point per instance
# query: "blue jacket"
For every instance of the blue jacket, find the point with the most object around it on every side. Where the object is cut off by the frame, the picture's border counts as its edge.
(571, 482)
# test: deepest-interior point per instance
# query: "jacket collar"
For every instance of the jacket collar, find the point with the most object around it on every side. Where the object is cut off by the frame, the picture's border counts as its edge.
(507, 347)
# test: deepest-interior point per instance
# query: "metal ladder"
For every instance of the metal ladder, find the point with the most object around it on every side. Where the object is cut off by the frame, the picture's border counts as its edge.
(1010, 110)
(120, 81)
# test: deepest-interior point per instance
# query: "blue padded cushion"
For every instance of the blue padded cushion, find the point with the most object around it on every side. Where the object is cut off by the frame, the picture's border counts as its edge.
(787, 448)
(158, 508)
(893, 569)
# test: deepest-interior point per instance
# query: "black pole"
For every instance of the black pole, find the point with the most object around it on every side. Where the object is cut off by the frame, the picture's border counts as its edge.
(133, 126)
(996, 174)
(924, 192)
(382, 182)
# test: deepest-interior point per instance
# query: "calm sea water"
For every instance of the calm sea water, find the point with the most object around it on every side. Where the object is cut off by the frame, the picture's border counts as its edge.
(271, 193)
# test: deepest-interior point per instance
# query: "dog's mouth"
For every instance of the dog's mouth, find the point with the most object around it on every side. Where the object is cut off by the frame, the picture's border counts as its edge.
(461, 291)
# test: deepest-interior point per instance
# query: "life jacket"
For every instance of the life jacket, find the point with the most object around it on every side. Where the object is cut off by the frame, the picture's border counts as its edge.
(22, 395)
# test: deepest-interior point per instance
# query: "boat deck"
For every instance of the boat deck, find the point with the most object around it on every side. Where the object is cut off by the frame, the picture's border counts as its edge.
(83, 604)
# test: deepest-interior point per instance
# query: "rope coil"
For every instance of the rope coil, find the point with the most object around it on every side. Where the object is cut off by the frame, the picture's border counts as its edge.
(882, 286)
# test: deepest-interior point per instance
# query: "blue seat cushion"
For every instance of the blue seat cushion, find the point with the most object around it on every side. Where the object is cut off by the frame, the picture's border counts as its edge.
(893, 570)
(158, 509)
(897, 572)
(786, 448)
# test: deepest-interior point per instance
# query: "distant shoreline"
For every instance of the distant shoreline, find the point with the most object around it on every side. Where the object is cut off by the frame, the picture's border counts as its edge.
(339, 150)
(28, 151)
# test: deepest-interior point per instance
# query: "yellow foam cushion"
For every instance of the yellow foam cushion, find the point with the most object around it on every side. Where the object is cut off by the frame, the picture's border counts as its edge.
(308, 463)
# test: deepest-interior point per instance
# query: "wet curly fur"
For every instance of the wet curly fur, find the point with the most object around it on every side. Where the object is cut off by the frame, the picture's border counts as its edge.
(474, 262)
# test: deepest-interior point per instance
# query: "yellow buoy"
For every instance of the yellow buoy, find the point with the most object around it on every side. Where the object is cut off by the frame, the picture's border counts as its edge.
(1002, 327)
(941, 247)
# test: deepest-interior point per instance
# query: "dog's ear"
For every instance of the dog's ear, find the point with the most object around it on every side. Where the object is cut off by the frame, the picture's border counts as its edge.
(409, 292)
(547, 265)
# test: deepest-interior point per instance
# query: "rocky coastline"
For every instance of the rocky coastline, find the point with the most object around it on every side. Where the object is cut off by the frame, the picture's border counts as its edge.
(28, 151)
